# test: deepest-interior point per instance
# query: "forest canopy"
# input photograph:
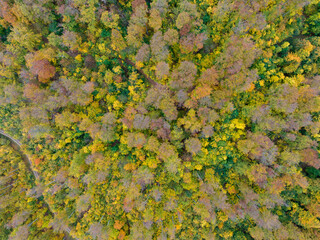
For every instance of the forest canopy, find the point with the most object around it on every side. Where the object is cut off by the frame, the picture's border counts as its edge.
(160, 119)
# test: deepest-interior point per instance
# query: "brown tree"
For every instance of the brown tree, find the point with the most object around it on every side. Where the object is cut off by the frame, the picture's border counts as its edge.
(43, 69)
(310, 157)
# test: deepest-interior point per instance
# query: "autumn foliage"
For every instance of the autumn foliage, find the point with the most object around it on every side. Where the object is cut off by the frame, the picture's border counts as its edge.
(162, 119)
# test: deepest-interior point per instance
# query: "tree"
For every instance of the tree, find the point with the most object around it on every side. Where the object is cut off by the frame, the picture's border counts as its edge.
(138, 3)
(24, 37)
(259, 147)
(209, 77)
(118, 43)
(143, 176)
(137, 140)
(192, 42)
(143, 53)
(171, 36)
(310, 157)
(158, 47)
(155, 20)
(83, 203)
(239, 55)
(193, 145)
(207, 131)
(137, 24)
(7, 13)
(18, 219)
(70, 39)
(257, 233)
(141, 122)
(109, 118)
(66, 119)
(162, 70)
(21, 233)
(59, 223)
(169, 109)
(161, 6)
(97, 231)
(90, 62)
(12, 94)
(284, 99)
(61, 176)
(306, 219)
(184, 75)
(183, 19)
(152, 144)
(78, 165)
(166, 151)
(268, 221)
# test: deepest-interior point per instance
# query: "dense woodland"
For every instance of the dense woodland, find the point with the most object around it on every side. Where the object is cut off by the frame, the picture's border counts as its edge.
(23, 211)
(163, 119)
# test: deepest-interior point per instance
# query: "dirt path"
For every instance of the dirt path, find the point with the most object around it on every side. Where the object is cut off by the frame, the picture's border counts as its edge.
(17, 145)
(24, 156)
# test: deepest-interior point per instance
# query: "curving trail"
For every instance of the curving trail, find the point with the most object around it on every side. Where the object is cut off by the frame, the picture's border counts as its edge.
(26, 157)
(34, 172)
